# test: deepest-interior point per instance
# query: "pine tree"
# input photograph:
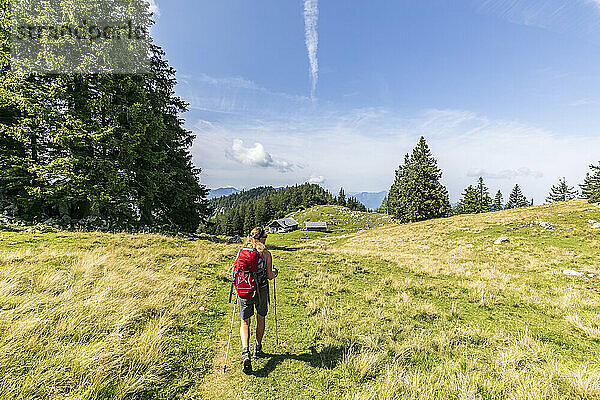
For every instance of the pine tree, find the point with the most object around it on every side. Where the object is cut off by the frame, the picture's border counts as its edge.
(229, 225)
(353, 204)
(383, 207)
(417, 193)
(469, 203)
(260, 212)
(269, 211)
(341, 199)
(97, 146)
(590, 189)
(475, 200)
(271, 204)
(484, 201)
(517, 199)
(249, 218)
(221, 226)
(238, 223)
(498, 200)
(561, 192)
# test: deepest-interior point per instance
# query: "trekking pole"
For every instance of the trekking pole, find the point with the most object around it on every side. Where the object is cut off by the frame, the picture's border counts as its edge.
(230, 328)
(275, 308)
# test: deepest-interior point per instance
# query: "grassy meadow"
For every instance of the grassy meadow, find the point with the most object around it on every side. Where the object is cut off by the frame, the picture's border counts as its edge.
(341, 219)
(92, 315)
(432, 310)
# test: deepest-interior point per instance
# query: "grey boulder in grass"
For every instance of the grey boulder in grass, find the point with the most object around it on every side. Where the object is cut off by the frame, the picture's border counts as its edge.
(502, 239)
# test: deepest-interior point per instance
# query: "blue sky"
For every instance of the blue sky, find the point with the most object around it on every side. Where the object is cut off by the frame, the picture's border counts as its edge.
(336, 92)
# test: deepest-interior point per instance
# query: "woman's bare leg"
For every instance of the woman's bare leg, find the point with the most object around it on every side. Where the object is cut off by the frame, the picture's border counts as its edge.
(260, 328)
(245, 332)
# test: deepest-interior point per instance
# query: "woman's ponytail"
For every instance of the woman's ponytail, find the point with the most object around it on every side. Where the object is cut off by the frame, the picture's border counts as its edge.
(253, 239)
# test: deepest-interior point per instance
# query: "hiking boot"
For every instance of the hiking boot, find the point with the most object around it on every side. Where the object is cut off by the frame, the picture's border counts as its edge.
(246, 362)
(258, 353)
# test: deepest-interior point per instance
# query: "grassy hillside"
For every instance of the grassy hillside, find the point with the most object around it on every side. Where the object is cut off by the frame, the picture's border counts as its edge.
(88, 316)
(432, 310)
(341, 219)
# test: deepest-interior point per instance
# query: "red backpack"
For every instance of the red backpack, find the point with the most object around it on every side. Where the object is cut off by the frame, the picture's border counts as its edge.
(244, 273)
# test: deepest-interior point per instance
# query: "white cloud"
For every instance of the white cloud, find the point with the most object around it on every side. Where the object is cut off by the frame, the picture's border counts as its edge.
(317, 179)
(360, 150)
(256, 157)
(311, 17)
(154, 9)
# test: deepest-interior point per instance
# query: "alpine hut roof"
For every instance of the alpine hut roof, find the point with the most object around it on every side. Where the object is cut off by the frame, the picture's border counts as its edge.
(284, 222)
(315, 225)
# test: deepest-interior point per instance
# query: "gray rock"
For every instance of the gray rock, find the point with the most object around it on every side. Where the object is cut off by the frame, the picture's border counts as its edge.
(596, 225)
(235, 239)
(502, 239)
(543, 224)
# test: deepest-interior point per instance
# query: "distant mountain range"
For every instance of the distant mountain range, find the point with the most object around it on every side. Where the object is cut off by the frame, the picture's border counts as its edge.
(371, 200)
(220, 192)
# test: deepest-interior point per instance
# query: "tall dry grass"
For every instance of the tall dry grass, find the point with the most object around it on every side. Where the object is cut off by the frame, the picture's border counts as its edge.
(90, 316)
(455, 258)
(478, 365)
(528, 268)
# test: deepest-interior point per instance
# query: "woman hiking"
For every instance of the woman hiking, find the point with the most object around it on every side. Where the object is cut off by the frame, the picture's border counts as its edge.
(264, 273)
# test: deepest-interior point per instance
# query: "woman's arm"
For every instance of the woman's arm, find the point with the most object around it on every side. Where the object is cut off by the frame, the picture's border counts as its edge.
(271, 272)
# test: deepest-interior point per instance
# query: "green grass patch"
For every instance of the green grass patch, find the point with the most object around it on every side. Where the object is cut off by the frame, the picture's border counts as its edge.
(432, 310)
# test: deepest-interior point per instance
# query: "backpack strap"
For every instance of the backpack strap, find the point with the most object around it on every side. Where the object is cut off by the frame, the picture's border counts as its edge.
(257, 287)
(231, 289)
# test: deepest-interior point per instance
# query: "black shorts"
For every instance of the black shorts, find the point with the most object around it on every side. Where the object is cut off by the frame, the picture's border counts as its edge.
(247, 306)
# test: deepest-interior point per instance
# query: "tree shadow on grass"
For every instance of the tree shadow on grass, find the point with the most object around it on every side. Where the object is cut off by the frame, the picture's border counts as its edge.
(282, 248)
(327, 358)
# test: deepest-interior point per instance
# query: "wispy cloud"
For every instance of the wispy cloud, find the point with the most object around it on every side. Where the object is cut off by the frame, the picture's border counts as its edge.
(595, 2)
(510, 174)
(554, 15)
(256, 156)
(582, 102)
(233, 81)
(234, 95)
(311, 17)
(317, 179)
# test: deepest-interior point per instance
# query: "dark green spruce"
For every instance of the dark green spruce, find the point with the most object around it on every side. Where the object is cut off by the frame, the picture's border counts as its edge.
(561, 192)
(417, 193)
(517, 199)
(97, 150)
(498, 205)
(240, 218)
(341, 199)
(353, 204)
(590, 189)
(475, 200)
